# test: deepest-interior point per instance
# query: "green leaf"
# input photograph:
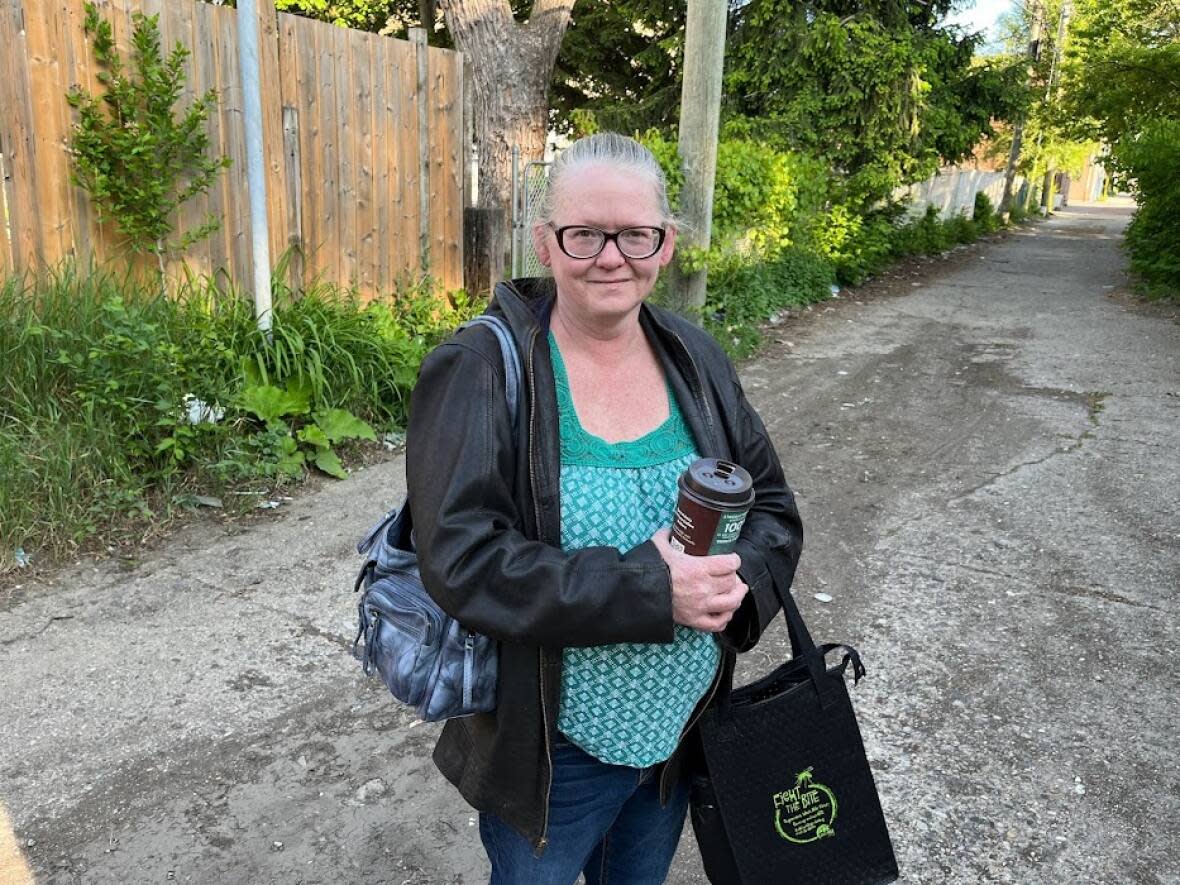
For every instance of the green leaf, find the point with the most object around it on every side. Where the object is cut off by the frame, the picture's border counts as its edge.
(340, 424)
(287, 446)
(326, 460)
(301, 389)
(291, 465)
(252, 374)
(268, 402)
(313, 436)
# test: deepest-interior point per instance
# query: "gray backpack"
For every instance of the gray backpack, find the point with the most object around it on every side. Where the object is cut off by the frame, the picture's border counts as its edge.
(425, 657)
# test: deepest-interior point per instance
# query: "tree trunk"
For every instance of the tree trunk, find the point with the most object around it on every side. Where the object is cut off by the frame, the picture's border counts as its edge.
(426, 17)
(1005, 207)
(511, 65)
(1047, 190)
(1033, 52)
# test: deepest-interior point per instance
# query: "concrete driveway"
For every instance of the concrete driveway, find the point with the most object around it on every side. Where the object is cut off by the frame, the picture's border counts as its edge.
(987, 464)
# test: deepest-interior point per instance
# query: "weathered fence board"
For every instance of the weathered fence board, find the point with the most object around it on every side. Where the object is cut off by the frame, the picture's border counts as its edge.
(340, 131)
(18, 138)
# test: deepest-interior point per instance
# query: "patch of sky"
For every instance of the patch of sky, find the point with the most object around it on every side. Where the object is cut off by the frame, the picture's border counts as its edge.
(981, 15)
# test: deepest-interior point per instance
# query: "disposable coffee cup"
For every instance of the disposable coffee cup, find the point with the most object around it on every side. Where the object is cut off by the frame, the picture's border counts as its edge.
(715, 496)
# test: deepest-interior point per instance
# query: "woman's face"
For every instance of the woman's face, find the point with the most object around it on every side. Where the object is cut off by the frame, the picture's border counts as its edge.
(610, 285)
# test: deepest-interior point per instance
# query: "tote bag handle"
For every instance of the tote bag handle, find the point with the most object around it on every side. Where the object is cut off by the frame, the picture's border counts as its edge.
(813, 656)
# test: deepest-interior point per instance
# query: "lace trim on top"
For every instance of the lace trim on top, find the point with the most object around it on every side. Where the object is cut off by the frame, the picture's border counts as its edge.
(670, 440)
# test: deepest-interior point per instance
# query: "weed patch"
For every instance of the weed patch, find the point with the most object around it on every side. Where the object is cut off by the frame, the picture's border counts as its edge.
(119, 404)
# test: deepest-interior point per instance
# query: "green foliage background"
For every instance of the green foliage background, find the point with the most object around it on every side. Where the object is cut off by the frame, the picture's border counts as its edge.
(882, 92)
(1152, 161)
(877, 93)
(1121, 84)
(777, 245)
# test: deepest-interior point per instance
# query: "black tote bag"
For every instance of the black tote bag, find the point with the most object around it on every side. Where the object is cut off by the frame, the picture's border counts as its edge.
(787, 795)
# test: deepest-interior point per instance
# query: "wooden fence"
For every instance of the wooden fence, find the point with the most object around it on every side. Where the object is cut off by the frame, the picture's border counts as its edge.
(362, 143)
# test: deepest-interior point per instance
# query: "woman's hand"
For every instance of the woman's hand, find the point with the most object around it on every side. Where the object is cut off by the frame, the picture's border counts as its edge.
(706, 590)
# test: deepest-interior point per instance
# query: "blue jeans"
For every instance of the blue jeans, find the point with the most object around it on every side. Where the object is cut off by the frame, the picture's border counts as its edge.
(604, 820)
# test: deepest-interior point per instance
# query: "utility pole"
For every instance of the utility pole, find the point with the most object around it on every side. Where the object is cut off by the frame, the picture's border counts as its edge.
(1034, 53)
(1062, 22)
(255, 174)
(700, 113)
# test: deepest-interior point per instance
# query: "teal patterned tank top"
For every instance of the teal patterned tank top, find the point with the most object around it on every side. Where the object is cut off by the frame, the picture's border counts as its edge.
(626, 704)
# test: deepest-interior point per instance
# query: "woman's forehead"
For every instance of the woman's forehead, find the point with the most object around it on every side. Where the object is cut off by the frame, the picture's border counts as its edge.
(602, 190)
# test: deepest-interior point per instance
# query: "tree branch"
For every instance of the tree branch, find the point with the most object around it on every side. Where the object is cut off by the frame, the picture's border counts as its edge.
(549, 16)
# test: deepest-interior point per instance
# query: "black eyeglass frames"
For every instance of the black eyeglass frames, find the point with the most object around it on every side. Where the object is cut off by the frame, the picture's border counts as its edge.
(582, 241)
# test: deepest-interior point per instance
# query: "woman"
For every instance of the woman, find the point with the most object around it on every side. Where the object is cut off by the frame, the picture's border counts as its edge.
(556, 543)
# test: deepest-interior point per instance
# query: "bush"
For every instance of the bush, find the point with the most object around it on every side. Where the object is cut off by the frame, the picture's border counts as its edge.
(861, 246)
(924, 235)
(764, 209)
(137, 154)
(755, 196)
(744, 295)
(1152, 162)
(987, 221)
(961, 229)
(777, 241)
(857, 246)
(118, 403)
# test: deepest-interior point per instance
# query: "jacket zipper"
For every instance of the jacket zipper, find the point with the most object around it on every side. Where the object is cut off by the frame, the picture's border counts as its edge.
(539, 847)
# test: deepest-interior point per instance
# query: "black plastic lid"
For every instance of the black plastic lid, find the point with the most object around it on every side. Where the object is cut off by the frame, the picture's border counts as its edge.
(720, 482)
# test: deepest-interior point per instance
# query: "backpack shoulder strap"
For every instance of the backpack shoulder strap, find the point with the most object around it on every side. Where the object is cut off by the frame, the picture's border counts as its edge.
(513, 379)
(512, 370)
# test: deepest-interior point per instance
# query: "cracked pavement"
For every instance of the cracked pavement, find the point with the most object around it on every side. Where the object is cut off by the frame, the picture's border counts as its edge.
(985, 458)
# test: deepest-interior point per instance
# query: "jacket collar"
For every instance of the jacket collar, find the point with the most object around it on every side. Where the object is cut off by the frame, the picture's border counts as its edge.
(525, 303)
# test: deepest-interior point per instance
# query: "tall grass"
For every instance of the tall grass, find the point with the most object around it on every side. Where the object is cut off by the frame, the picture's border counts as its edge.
(96, 369)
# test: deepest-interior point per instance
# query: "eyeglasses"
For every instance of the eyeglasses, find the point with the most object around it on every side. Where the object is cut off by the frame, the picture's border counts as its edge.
(579, 241)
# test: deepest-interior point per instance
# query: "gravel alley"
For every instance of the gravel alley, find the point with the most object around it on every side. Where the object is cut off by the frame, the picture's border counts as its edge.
(987, 465)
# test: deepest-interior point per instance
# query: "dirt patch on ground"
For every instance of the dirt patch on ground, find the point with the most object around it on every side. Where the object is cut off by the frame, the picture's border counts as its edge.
(126, 544)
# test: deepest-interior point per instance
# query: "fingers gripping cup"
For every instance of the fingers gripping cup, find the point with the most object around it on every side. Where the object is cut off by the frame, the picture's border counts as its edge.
(715, 497)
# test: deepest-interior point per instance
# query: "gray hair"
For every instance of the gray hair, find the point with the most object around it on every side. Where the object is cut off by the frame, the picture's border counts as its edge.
(606, 149)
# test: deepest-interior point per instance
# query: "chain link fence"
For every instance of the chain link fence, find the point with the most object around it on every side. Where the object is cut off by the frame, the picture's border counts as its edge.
(528, 188)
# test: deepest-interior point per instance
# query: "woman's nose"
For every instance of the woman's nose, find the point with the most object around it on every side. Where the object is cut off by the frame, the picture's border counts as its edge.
(610, 256)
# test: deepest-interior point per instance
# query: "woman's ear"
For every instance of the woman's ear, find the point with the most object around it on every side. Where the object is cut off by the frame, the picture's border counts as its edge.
(541, 243)
(668, 247)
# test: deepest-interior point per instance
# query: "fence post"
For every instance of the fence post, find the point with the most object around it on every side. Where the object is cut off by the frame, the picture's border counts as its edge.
(18, 124)
(517, 188)
(7, 265)
(418, 38)
(480, 230)
(294, 179)
(470, 168)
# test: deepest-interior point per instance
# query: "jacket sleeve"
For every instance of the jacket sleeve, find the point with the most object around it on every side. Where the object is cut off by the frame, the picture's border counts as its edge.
(475, 560)
(772, 537)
